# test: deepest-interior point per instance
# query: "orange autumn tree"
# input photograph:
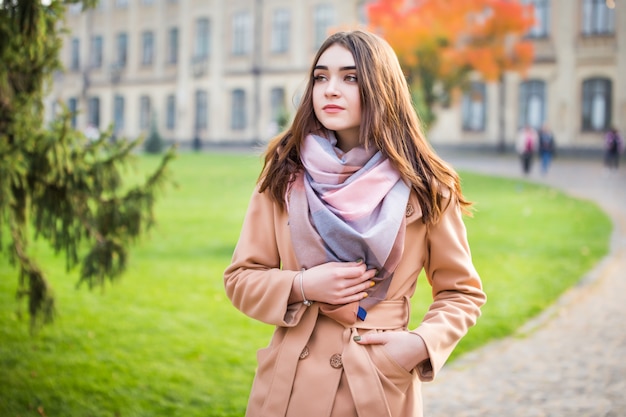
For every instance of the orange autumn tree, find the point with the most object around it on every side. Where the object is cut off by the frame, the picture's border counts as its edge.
(439, 43)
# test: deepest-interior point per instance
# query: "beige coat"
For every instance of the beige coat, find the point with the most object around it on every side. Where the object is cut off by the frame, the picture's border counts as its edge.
(312, 367)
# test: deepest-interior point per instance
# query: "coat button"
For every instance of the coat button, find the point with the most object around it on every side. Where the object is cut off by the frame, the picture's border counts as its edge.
(335, 361)
(409, 210)
(304, 353)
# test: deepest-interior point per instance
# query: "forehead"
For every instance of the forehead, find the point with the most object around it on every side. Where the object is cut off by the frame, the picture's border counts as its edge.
(336, 56)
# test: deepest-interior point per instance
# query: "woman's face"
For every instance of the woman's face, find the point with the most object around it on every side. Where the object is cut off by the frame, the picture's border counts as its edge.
(336, 98)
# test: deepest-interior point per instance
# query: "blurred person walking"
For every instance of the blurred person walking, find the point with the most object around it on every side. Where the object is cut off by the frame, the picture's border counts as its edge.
(547, 147)
(525, 146)
(614, 147)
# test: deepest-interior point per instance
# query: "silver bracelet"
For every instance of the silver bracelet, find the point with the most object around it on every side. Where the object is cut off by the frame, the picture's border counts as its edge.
(304, 300)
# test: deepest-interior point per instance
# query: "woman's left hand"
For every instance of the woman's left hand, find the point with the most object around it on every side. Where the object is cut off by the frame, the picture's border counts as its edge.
(406, 348)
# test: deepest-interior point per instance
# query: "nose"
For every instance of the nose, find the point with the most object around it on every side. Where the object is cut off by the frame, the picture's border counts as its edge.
(331, 88)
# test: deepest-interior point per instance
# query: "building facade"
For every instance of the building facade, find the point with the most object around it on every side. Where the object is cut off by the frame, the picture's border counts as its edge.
(576, 84)
(231, 71)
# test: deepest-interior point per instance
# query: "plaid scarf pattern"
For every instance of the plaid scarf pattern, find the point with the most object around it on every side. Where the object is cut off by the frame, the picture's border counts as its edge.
(347, 206)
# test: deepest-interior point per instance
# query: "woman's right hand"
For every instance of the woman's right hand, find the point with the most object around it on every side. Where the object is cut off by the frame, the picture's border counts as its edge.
(335, 282)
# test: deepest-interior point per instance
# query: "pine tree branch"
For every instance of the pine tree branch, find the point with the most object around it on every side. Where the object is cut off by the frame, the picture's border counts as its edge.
(32, 282)
(70, 190)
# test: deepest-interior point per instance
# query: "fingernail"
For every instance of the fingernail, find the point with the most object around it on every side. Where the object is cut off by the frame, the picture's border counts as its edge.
(372, 283)
(364, 295)
(360, 260)
(357, 338)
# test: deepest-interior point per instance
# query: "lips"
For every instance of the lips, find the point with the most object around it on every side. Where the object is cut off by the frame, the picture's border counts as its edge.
(332, 108)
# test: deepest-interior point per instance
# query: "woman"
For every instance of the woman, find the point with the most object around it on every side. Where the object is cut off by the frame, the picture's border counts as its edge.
(525, 147)
(350, 206)
(613, 148)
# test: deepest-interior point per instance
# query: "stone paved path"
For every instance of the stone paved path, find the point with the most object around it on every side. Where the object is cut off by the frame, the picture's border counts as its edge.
(571, 361)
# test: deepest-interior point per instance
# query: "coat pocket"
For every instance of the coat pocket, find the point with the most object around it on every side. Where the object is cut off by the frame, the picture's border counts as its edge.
(391, 373)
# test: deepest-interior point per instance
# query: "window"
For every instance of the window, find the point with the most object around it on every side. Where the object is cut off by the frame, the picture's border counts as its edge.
(203, 37)
(96, 52)
(172, 46)
(324, 19)
(145, 112)
(473, 107)
(72, 106)
(596, 105)
(277, 103)
(147, 48)
(118, 113)
(93, 112)
(279, 114)
(598, 19)
(122, 49)
(242, 33)
(541, 29)
(170, 112)
(532, 103)
(280, 31)
(202, 110)
(238, 111)
(75, 58)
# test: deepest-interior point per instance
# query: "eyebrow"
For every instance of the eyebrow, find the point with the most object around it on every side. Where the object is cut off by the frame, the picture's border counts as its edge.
(324, 67)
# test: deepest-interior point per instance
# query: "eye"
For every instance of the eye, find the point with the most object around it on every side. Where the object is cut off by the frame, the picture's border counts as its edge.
(319, 77)
(351, 78)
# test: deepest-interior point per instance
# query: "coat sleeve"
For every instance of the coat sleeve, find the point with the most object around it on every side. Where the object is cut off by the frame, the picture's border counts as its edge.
(456, 287)
(255, 282)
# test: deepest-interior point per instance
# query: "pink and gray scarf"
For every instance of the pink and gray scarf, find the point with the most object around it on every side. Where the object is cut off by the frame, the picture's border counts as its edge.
(345, 207)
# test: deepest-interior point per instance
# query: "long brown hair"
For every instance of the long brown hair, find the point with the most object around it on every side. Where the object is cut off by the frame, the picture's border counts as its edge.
(388, 122)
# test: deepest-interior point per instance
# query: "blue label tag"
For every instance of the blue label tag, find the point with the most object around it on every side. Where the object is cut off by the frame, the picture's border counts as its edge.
(361, 313)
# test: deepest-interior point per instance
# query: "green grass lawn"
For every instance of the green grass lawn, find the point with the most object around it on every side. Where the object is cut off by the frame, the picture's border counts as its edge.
(165, 341)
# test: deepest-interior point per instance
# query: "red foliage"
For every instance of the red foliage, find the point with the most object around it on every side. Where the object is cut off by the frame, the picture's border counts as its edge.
(484, 35)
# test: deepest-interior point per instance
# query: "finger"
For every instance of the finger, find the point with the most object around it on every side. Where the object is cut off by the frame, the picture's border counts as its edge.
(358, 290)
(348, 274)
(350, 298)
(358, 263)
(371, 339)
(363, 286)
(361, 275)
(355, 285)
(370, 273)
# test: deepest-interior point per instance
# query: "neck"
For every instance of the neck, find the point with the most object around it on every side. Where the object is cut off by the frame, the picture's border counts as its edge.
(347, 140)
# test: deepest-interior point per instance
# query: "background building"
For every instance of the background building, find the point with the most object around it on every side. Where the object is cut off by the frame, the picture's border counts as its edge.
(576, 83)
(228, 71)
